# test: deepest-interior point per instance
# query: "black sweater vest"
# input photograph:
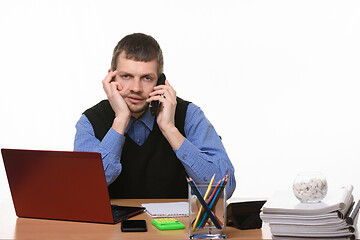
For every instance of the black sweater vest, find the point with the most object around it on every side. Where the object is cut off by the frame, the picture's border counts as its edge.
(148, 171)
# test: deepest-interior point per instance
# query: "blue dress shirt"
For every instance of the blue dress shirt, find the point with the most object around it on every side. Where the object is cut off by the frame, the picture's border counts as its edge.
(202, 152)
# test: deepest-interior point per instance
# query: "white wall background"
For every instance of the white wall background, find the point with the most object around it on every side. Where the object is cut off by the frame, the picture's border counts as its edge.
(278, 79)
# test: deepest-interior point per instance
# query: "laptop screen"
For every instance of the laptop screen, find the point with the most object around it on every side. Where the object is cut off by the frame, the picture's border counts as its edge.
(58, 185)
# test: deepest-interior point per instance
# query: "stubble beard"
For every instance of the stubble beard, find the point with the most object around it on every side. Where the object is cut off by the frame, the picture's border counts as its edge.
(138, 111)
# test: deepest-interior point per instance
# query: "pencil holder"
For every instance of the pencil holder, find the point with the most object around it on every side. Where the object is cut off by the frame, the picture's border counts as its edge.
(207, 222)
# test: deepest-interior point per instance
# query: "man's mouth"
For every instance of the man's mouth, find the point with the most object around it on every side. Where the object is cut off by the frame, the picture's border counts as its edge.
(135, 99)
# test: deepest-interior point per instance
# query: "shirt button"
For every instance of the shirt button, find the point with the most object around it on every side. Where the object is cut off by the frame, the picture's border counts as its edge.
(138, 141)
(184, 157)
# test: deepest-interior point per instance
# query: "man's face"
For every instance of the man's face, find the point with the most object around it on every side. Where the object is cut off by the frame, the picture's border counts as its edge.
(137, 80)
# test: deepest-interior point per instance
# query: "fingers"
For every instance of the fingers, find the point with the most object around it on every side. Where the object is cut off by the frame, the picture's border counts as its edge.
(163, 90)
(163, 96)
(167, 96)
(110, 76)
(107, 80)
(159, 98)
(115, 86)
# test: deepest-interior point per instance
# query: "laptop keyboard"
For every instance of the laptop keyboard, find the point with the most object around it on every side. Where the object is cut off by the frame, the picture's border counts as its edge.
(117, 213)
(123, 212)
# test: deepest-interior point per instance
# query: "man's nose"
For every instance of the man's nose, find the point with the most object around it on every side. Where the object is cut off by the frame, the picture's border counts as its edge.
(136, 85)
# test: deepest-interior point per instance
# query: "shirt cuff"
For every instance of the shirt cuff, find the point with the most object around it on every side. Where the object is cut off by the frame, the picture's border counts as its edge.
(113, 142)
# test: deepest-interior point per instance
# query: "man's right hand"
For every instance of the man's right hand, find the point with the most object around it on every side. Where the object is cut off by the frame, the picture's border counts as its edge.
(122, 112)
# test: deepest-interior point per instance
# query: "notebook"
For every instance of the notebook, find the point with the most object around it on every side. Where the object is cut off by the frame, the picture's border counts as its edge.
(61, 185)
(171, 209)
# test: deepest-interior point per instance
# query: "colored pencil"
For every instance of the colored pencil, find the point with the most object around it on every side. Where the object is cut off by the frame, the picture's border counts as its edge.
(203, 203)
(205, 197)
(208, 201)
(214, 201)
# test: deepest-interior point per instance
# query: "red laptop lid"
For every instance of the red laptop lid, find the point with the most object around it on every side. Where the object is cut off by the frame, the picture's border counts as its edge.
(58, 185)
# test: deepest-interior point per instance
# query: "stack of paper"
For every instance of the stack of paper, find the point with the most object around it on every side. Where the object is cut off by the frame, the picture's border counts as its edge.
(288, 218)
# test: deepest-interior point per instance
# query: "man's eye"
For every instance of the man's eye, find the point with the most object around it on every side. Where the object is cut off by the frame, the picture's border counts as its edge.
(147, 78)
(125, 76)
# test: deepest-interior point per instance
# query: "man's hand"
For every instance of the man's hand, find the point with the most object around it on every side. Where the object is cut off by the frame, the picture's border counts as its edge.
(122, 112)
(166, 117)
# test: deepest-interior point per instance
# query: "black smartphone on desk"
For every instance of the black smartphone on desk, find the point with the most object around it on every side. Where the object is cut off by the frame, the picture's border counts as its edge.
(133, 226)
(155, 105)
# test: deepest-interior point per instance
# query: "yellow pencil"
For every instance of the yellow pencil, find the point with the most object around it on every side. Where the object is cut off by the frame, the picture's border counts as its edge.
(205, 196)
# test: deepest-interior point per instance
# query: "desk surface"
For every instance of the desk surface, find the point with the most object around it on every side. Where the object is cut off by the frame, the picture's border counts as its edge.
(12, 227)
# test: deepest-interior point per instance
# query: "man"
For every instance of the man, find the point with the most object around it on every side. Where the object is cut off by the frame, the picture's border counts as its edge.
(147, 156)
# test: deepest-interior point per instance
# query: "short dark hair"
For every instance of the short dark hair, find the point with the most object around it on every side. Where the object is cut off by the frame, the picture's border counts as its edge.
(138, 47)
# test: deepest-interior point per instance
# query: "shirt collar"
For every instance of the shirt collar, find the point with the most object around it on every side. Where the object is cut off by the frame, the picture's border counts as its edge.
(146, 118)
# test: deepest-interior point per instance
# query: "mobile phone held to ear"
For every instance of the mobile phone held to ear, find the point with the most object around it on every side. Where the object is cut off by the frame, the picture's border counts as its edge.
(133, 226)
(155, 105)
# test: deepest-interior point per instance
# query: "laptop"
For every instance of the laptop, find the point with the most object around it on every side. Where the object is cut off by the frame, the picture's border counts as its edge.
(61, 185)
